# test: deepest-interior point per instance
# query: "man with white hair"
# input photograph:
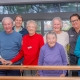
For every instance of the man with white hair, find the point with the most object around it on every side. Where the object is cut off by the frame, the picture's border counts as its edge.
(10, 43)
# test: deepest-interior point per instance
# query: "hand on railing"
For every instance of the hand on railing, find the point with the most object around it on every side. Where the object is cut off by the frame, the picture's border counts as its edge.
(8, 62)
(62, 75)
(3, 61)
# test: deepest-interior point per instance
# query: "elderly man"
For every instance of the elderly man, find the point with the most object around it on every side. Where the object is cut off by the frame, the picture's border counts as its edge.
(31, 45)
(10, 43)
(52, 53)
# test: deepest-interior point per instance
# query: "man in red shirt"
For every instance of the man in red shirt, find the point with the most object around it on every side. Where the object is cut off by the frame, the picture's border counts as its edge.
(31, 45)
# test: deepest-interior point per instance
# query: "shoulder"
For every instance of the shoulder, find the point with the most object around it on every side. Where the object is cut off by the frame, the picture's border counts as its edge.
(59, 45)
(39, 35)
(2, 33)
(65, 33)
(44, 47)
(17, 35)
(24, 29)
(25, 36)
(70, 30)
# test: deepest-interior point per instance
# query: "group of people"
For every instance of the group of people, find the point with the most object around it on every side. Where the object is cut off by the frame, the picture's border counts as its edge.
(20, 46)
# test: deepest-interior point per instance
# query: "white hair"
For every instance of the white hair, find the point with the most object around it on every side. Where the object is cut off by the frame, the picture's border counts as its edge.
(57, 18)
(5, 18)
(51, 32)
(31, 21)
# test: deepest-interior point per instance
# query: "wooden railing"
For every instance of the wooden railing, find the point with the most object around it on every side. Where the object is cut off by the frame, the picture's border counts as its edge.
(38, 68)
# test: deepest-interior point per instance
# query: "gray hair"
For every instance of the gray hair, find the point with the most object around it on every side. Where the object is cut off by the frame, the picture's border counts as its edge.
(57, 18)
(51, 32)
(7, 18)
(31, 21)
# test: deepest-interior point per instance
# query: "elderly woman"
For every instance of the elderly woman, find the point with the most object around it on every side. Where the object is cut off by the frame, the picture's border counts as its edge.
(62, 37)
(52, 53)
(31, 45)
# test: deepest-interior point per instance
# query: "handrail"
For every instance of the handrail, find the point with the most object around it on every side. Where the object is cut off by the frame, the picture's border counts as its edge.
(17, 67)
(37, 78)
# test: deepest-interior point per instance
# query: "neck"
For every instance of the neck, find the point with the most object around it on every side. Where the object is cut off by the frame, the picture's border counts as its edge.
(58, 32)
(77, 30)
(9, 32)
(18, 28)
(31, 34)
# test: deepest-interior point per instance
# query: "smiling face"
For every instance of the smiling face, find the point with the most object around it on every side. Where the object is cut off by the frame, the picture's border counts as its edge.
(75, 21)
(31, 27)
(8, 25)
(18, 21)
(51, 40)
(56, 25)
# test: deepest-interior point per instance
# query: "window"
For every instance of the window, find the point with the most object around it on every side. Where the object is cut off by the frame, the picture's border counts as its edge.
(3, 9)
(79, 7)
(68, 7)
(1, 28)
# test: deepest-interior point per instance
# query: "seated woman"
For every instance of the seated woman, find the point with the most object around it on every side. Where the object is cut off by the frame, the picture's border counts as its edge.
(52, 53)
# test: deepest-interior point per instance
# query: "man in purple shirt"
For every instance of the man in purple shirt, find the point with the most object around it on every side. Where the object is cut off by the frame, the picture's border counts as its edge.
(52, 53)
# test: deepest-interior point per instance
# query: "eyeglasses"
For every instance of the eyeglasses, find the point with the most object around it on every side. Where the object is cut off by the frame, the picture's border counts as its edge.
(74, 21)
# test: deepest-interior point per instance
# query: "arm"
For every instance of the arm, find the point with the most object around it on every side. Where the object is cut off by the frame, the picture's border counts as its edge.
(77, 48)
(41, 41)
(67, 39)
(64, 60)
(18, 56)
(40, 61)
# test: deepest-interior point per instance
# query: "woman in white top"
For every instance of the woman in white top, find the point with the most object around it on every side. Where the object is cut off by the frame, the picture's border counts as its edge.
(62, 36)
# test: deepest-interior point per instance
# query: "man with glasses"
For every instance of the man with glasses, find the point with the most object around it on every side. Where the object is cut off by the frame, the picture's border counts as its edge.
(73, 35)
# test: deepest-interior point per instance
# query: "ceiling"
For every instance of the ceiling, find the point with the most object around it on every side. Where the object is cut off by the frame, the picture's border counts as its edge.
(33, 1)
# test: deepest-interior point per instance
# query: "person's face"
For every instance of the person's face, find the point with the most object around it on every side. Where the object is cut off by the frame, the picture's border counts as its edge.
(75, 22)
(18, 22)
(56, 25)
(7, 25)
(31, 28)
(51, 40)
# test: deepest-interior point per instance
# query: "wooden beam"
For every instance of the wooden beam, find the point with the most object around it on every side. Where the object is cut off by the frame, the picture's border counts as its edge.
(37, 78)
(15, 67)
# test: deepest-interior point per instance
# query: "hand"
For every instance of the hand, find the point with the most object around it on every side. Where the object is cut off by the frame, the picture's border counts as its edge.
(62, 75)
(37, 74)
(3, 61)
(9, 62)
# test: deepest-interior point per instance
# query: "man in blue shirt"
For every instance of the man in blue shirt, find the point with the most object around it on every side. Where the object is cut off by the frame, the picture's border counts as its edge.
(10, 44)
